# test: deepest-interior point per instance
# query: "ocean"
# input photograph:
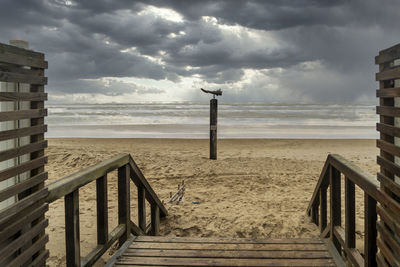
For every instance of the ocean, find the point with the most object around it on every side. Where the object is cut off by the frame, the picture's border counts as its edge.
(191, 120)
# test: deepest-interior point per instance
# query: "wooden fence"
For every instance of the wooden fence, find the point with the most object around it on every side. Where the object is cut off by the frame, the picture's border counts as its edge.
(68, 187)
(22, 221)
(389, 158)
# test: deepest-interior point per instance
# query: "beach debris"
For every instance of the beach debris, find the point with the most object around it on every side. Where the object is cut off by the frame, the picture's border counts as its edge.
(196, 202)
(178, 197)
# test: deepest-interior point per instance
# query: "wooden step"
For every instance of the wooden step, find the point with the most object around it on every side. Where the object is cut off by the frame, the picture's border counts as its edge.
(184, 251)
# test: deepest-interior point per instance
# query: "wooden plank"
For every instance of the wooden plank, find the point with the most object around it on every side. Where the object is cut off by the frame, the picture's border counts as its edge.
(391, 221)
(388, 147)
(388, 111)
(23, 60)
(22, 150)
(370, 248)
(68, 184)
(72, 237)
(111, 262)
(102, 210)
(23, 167)
(323, 209)
(22, 186)
(151, 196)
(16, 207)
(11, 77)
(335, 204)
(223, 240)
(26, 131)
(4, 48)
(228, 254)
(18, 96)
(142, 207)
(40, 260)
(20, 241)
(388, 54)
(97, 252)
(389, 238)
(22, 114)
(390, 184)
(6, 67)
(213, 128)
(27, 254)
(388, 165)
(326, 232)
(155, 220)
(387, 253)
(124, 210)
(350, 214)
(222, 262)
(388, 129)
(16, 225)
(135, 230)
(229, 246)
(381, 262)
(352, 254)
(393, 73)
(389, 92)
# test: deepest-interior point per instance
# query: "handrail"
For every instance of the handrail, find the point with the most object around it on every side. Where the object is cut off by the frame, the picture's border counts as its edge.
(339, 237)
(68, 187)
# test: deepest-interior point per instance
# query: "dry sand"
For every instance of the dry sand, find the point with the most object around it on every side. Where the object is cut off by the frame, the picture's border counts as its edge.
(256, 188)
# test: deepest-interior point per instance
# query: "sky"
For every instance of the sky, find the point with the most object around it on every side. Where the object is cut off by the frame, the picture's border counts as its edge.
(302, 51)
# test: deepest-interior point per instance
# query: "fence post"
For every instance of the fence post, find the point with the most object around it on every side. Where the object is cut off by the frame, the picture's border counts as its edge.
(142, 207)
(155, 219)
(350, 214)
(336, 220)
(213, 128)
(72, 239)
(102, 210)
(370, 247)
(124, 209)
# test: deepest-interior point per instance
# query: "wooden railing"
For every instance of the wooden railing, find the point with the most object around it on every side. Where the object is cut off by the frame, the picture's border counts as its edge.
(68, 187)
(343, 240)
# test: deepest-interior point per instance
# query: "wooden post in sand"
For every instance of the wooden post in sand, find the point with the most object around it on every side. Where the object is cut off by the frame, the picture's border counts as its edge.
(213, 128)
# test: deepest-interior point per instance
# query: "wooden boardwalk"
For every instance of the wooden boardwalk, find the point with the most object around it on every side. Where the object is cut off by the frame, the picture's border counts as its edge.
(183, 251)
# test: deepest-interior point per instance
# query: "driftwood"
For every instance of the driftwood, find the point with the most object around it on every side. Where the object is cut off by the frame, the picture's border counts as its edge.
(178, 196)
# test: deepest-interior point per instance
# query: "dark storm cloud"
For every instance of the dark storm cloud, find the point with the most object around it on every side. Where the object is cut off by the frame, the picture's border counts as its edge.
(95, 39)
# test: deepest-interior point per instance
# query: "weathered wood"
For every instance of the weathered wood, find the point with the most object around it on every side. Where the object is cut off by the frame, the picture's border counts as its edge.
(142, 207)
(388, 129)
(16, 207)
(389, 238)
(392, 221)
(23, 167)
(388, 54)
(124, 208)
(222, 262)
(102, 210)
(72, 237)
(13, 227)
(389, 183)
(97, 252)
(22, 60)
(389, 74)
(27, 254)
(151, 196)
(353, 255)
(389, 165)
(4, 49)
(387, 253)
(389, 92)
(11, 134)
(135, 230)
(388, 147)
(20, 241)
(323, 209)
(22, 186)
(350, 214)
(22, 150)
(370, 247)
(40, 260)
(381, 262)
(335, 204)
(22, 114)
(20, 69)
(70, 183)
(17, 96)
(155, 220)
(213, 128)
(388, 111)
(11, 77)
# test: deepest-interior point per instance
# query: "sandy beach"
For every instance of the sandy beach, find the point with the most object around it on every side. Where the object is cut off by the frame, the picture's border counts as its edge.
(256, 188)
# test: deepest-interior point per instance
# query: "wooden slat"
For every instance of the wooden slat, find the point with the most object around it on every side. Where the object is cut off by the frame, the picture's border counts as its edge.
(142, 207)
(18, 96)
(223, 240)
(29, 252)
(151, 196)
(390, 184)
(22, 150)
(96, 253)
(102, 210)
(388, 129)
(370, 232)
(23, 60)
(335, 204)
(381, 262)
(387, 253)
(135, 230)
(72, 237)
(229, 246)
(40, 260)
(388, 147)
(388, 238)
(392, 221)
(22, 114)
(15, 226)
(20, 241)
(22, 78)
(350, 214)
(155, 220)
(388, 54)
(222, 262)
(323, 209)
(68, 184)
(389, 92)
(4, 48)
(23, 167)
(22, 186)
(353, 254)
(124, 210)
(389, 74)
(229, 254)
(388, 111)
(6, 67)
(11, 134)
(16, 207)
(389, 166)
